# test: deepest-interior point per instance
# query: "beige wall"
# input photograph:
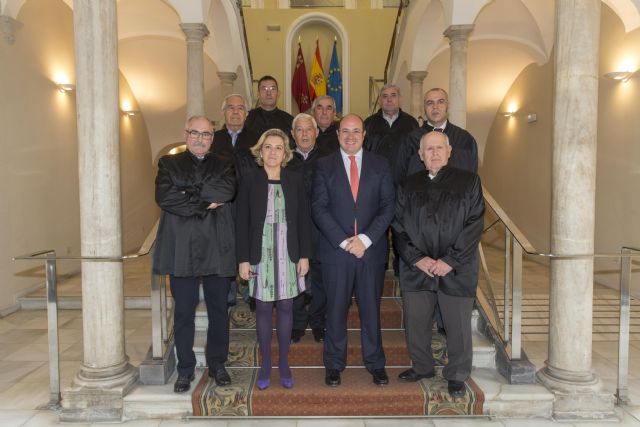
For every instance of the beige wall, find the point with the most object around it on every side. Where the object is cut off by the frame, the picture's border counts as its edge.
(517, 167)
(369, 34)
(39, 165)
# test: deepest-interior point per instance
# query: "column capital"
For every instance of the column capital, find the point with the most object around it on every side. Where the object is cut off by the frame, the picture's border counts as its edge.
(227, 77)
(458, 32)
(9, 27)
(417, 76)
(195, 32)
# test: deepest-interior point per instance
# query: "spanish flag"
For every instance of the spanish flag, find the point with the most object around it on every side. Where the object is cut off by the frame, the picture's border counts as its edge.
(317, 82)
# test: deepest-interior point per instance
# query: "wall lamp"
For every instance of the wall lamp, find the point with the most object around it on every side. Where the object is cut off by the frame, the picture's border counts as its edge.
(623, 76)
(509, 113)
(65, 87)
(130, 112)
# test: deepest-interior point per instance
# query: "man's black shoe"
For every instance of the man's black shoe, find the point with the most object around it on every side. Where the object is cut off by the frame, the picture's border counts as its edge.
(183, 383)
(456, 388)
(220, 376)
(296, 334)
(380, 377)
(318, 334)
(411, 376)
(332, 377)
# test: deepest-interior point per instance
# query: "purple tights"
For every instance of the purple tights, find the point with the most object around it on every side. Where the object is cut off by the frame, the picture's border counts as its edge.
(284, 323)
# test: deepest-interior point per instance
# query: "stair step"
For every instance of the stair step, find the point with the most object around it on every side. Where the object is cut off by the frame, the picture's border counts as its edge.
(500, 399)
(242, 318)
(243, 350)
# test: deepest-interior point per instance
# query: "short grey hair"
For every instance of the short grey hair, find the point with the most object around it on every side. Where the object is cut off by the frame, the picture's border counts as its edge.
(303, 116)
(191, 119)
(390, 86)
(424, 138)
(321, 98)
(226, 99)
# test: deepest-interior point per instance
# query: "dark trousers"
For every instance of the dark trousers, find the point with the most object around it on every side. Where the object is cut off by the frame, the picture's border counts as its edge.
(340, 280)
(456, 315)
(313, 315)
(186, 296)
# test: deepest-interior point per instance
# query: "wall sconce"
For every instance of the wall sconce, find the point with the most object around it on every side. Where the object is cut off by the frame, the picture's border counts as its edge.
(509, 113)
(65, 87)
(130, 112)
(623, 76)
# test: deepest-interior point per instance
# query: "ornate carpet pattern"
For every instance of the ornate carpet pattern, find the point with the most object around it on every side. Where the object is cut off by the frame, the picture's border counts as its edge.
(357, 396)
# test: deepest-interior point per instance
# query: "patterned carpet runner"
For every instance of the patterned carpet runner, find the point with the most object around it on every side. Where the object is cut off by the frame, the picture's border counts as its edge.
(357, 396)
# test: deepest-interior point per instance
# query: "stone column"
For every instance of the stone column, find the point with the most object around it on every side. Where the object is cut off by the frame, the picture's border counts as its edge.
(9, 28)
(195, 67)
(105, 375)
(458, 36)
(417, 95)
(226, 82)
(567, 372)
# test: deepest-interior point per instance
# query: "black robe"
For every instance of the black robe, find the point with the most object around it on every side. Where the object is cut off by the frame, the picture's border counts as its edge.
(260, 120)
(244, 160)
(385, 140)
(327, 139)
(442, 219)
(193, 240)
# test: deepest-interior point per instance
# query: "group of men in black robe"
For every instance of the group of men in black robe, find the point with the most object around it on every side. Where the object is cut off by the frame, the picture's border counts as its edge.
(436, 226)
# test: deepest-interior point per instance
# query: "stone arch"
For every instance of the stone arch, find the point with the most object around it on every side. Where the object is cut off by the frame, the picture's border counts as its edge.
(317, 17)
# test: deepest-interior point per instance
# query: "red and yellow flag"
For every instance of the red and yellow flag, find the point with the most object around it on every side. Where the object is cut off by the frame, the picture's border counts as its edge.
(317, 82)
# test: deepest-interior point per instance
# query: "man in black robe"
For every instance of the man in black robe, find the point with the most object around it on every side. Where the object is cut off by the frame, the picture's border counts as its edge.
(305, 155)
(196, 244)
(464, 148)
(388, 126)
(437, 225)
(235, 139)
(324, 111)
(267, 115)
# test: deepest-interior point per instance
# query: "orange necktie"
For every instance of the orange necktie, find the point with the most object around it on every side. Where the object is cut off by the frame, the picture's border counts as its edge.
(354, 179)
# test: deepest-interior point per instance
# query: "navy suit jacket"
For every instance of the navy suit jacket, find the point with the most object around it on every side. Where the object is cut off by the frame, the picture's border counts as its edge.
(334, 210)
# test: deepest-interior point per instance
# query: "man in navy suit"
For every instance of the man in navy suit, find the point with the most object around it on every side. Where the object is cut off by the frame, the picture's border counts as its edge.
(352, 205)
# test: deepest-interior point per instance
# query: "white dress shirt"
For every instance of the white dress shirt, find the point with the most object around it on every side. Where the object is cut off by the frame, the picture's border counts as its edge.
(347, 167)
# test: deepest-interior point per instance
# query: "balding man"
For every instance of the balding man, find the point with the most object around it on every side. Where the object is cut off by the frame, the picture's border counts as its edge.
(388, 126)
(352, 205)
(464, 148)
(234, 138)
(324, 111)
(437, 226)
(195, 244)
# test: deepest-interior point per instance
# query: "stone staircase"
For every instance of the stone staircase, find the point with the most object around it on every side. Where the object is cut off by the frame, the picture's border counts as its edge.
(501, 398)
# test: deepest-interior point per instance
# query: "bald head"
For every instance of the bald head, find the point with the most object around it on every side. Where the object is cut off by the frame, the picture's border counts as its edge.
(351, 134)
(434, 151)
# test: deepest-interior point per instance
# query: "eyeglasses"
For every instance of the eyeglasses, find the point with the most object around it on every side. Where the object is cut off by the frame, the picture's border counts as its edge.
(195, 134)
(268, 88)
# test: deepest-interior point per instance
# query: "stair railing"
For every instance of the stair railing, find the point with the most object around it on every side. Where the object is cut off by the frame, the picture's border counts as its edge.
(51, 285)
(509, 331)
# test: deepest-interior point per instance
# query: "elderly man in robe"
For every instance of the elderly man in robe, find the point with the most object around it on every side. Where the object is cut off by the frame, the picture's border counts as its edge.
(437, 225)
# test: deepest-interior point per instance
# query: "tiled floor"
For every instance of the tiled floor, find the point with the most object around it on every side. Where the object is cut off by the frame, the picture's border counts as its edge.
(24, 379)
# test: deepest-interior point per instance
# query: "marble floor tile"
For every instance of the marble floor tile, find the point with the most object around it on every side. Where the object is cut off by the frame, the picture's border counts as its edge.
(11, 372)
(21, 335)
(16, 418)
(34, 353)
(23, 395)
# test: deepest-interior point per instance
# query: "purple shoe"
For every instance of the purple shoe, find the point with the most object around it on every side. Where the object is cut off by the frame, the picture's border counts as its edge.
(263, 384)
(287, 382)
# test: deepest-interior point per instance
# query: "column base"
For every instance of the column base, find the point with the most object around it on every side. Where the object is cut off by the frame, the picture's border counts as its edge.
(577, 400)
(98, 397)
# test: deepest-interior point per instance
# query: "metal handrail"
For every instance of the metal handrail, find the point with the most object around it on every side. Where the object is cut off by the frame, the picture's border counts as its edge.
(516, 244)
(158, 308)
(392, 46)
